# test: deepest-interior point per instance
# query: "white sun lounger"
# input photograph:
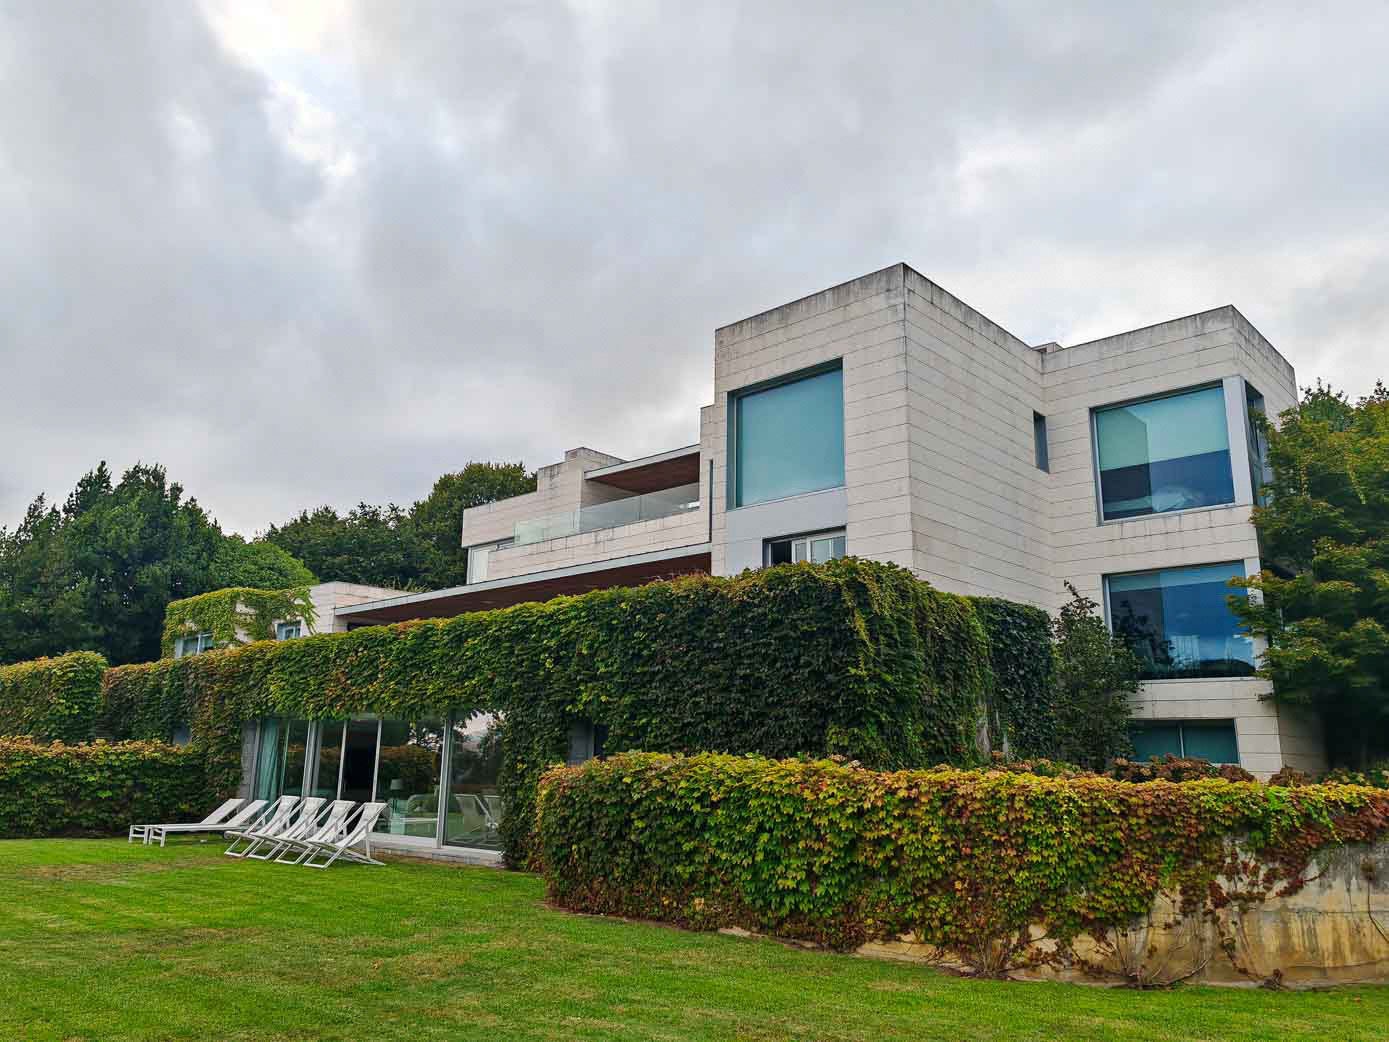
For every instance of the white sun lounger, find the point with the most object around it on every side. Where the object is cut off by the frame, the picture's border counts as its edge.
(345, 845)
(303, 824)
(334, 825)
(214, 822)
(274, 819)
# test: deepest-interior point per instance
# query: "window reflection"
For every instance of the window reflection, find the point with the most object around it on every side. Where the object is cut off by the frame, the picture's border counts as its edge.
(407, 776)
(1178, 621)
(474, 812)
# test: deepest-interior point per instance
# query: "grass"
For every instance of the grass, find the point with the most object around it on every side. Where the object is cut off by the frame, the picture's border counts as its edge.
(104, 941)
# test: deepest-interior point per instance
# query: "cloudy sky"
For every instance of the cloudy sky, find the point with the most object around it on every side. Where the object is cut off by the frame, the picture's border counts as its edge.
(324, 254)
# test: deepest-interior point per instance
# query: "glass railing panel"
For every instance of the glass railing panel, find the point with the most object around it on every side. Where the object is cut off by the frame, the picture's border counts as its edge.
(650, 506)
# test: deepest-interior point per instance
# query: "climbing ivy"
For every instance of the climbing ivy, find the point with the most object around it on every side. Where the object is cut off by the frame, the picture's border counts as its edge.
(851, 657)
(971, 862)
(52, 698)
(236, 615)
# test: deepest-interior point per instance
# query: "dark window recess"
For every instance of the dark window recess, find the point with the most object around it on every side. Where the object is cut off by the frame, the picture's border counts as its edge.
(1039, 437)
(779, 551)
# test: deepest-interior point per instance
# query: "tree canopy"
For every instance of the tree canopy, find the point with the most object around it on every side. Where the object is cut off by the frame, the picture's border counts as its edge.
(96, 573)
(415, 549)
(1323, 597)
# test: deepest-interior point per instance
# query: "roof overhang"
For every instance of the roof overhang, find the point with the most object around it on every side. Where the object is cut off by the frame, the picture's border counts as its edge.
(632, 570)
(651, 473)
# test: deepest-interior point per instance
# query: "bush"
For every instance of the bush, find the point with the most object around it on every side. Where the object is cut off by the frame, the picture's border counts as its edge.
(52, 698)
(97, 790)
(851, 657)
(1093, 683)
(965, 860)
(1020, 705)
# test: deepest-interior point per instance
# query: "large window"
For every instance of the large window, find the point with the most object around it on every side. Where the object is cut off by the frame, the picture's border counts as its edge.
(407, 776)
(1212, 740)
(1164, 454)
(788, 438)
(474, 812)
(816, 548)
(1178, 621)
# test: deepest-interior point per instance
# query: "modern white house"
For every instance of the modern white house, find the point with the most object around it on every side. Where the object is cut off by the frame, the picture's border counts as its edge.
(887, 419)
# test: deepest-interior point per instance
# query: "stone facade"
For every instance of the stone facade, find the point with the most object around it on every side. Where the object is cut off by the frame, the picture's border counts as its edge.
(940, 472)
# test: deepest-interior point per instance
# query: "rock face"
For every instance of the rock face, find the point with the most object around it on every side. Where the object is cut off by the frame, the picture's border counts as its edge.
(1334, 930)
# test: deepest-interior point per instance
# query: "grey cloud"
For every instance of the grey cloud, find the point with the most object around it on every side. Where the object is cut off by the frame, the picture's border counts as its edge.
(324, 269)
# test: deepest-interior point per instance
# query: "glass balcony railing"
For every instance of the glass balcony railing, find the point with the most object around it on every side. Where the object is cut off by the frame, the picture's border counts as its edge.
(648, 507)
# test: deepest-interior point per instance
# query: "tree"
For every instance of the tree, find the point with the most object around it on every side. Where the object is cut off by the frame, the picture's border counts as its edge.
(374, 545)
(418, 549)
(1322, 601)
(259, 564)
(1093, 684)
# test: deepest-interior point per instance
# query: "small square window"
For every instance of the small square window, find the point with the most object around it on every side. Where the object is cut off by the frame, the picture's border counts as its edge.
(816, 548)
(289, 630)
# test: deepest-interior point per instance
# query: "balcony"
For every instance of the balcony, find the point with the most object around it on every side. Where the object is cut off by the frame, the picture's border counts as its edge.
(649, 506)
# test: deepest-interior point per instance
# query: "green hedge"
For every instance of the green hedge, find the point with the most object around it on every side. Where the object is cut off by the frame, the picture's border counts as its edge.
(97, 790)
(852, 657)
(52, 698)
(1020, 654)
(965, 860)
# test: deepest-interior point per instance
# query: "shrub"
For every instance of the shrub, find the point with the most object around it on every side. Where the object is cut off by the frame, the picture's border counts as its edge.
(851, 657)
(52, 698)
(98, 789)
(965, 860)
(1093, 683)
(1020, 656)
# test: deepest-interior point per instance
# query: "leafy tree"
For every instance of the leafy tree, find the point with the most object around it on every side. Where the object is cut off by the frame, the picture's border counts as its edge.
(1093, 682)
(259, 564)
(1322, 602)
(378, 546)
(418, 549)
(97, 574)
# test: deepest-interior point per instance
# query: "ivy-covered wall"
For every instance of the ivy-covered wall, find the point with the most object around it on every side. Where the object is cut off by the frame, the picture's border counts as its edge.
(855, 658)
(52, 698)
(236, 615)
(970, 863)
(1020, 655)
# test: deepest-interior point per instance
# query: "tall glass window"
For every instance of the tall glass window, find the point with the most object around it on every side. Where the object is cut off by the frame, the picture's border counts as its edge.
(1169, 453)
(474, 812)
(1260, 472)
(789, 439)
(407, 776)
(1178, 621)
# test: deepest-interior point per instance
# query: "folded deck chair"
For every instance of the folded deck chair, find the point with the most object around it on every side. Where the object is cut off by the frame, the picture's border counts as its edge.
(214, 822)
(305, 823)
(324, 854)
(273, 819)
(335, 823)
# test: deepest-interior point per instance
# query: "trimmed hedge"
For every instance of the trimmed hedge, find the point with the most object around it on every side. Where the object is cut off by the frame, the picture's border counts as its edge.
(98, 789)
(851, 657)
(965, 860)
(52, 698)
(1021, 658)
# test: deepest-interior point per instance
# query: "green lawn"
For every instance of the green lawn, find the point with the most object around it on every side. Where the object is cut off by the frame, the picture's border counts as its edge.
(100, 940)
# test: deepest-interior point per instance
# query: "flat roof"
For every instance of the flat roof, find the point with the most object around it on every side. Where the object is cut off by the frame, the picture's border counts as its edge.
(669, 469)
(631, 570)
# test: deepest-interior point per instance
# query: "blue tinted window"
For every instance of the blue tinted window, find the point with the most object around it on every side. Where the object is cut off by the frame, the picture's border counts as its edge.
(1205, 740)
(789, 439)
(1178, 621)
(1170, 453)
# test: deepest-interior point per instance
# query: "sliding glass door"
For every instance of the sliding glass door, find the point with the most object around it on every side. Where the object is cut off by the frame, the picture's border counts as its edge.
(473, 813)
(401, 763)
